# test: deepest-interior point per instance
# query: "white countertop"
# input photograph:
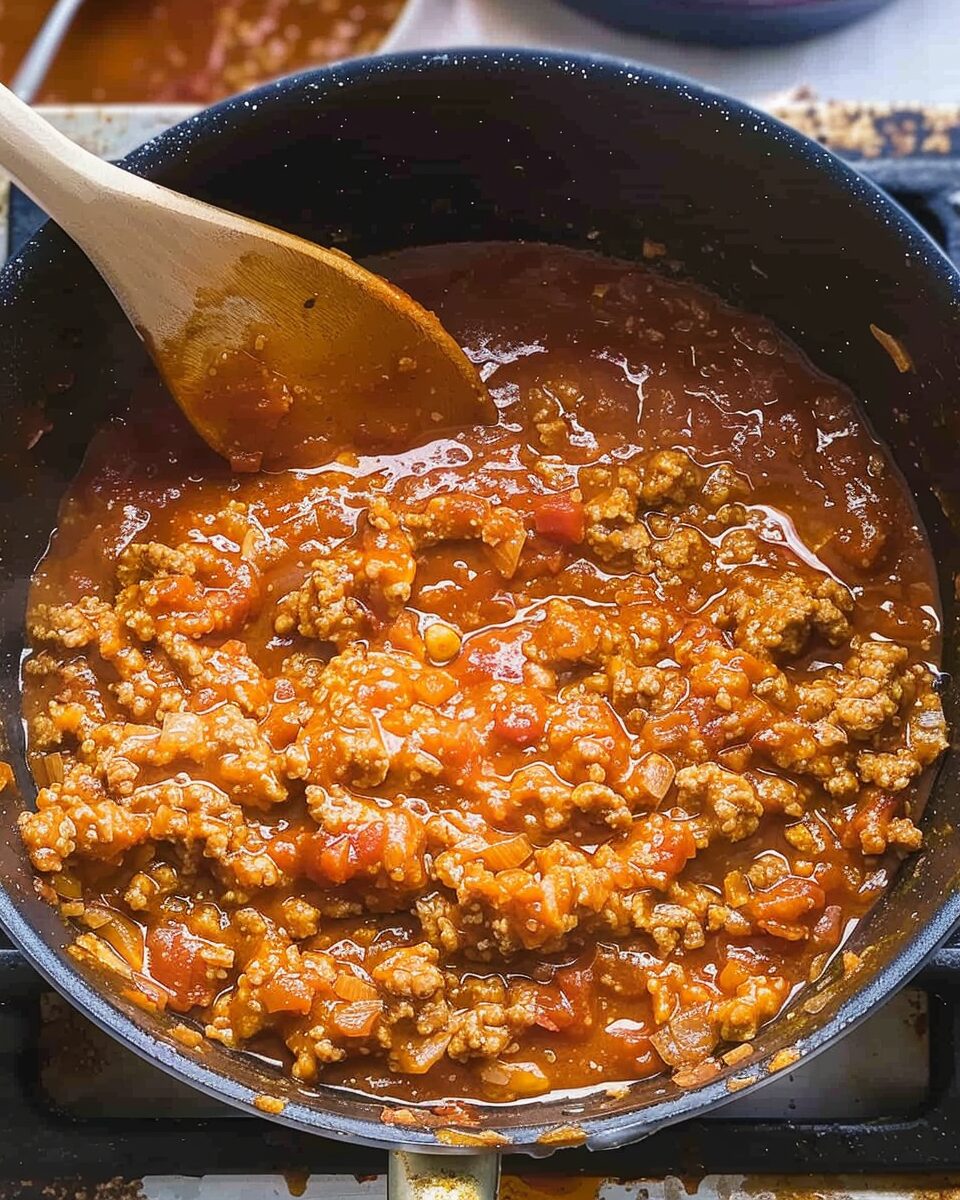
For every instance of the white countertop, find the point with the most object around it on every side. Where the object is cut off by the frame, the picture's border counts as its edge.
(909, 51)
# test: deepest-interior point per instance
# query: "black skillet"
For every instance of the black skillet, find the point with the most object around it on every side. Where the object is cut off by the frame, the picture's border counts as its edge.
(392, 152)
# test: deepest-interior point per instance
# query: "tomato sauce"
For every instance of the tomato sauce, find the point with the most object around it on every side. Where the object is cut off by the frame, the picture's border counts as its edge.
(546, 754)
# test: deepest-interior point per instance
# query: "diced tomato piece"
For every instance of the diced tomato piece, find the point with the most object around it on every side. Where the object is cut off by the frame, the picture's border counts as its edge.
(669, 732)
(335, 860)
(435, 687)
(286, 850)
(559, 517)
(520, 718)
(788, 900)
(175, 962)
(708, 678)
(331, 861)
(660, 847)
(492, 654)
(287, 993)
(754, 668)
(280, 725)
(568, 1002)
(875, 812)
(732, 975)
(174, 593)
(632, 1041)
(368, 845)
(554, 1012)
(577, 987)
(697, 641)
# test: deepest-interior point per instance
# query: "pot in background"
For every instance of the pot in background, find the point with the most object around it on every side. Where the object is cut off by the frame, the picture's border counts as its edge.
(728, 22)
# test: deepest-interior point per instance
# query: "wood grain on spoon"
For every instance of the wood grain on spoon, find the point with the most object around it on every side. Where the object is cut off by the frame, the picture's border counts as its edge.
(277, 350)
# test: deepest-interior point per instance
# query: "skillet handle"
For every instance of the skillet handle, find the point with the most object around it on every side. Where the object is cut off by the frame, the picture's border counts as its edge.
(415, 1176)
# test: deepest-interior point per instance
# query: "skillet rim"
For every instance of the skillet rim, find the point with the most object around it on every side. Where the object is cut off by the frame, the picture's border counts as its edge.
(614, 1129)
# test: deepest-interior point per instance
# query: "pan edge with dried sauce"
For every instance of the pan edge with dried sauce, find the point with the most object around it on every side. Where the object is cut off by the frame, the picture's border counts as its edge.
(550, 754)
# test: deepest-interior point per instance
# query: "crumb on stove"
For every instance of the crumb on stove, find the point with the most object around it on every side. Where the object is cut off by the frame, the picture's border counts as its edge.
(269, 1104)
(400, 1116)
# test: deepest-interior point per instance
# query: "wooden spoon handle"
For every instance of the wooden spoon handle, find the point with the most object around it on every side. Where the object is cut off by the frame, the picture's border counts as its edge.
(62, 177)
(119, 220)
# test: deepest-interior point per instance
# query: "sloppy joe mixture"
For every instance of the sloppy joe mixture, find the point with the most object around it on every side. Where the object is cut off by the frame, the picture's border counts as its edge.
(546, 754)
(185, 52)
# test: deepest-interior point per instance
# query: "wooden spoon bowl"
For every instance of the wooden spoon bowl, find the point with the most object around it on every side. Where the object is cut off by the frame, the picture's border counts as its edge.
(279, 351)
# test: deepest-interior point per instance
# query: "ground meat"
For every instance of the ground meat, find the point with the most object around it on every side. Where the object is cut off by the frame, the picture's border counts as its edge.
(725, 803)
(323, 608)
(463, 517)
(775, 616)
(368, 574)
(411, 971)
(548, 753)
(756, 1001)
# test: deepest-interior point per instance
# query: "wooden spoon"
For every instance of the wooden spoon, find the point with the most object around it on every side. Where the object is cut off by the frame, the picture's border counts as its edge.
(278, 351)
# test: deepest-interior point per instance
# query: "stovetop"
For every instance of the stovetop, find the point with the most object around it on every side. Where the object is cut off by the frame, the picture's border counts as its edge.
(882, 1103)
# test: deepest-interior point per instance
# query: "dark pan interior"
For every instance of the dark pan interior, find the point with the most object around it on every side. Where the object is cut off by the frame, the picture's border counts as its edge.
(387, 153)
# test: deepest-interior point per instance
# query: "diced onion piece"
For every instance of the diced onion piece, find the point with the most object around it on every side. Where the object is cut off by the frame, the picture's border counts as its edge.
(67, 885)
(656, 773)
(181, 730)
(511, 852)
(419, 1054)
(504, 536)
(687, 1038)
(118, 931)
(514, 1080)
(94, 917)
(250, 546)
(146, 994)
(352, 987)
(50, 769)
(356, 1018)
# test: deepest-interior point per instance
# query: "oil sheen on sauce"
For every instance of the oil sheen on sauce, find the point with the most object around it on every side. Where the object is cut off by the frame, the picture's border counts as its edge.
(595, 365)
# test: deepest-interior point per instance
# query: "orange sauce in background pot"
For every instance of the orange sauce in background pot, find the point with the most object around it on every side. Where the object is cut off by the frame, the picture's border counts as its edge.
(182, 52)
